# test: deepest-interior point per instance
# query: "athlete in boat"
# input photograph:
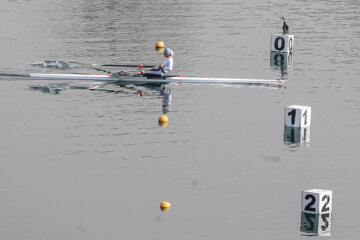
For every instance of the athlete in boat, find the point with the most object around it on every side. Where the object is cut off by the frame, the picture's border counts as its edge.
(165, 67)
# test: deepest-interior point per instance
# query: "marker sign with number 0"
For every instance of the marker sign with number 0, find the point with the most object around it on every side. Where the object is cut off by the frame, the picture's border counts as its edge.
(282, 43)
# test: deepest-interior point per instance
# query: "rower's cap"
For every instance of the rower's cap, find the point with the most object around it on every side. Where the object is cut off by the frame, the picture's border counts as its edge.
(169, 52)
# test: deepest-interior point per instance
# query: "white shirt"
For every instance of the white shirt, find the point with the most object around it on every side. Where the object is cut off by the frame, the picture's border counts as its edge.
(168, 64)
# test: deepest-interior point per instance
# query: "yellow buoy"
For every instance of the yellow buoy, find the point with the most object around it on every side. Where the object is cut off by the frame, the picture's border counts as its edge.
(163, 119)
(165, 206)
(160, 44)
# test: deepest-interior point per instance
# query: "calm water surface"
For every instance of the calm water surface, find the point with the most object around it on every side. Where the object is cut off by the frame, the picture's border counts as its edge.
(86, 164)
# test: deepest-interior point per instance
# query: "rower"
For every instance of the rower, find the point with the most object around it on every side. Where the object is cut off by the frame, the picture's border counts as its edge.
(164, 68)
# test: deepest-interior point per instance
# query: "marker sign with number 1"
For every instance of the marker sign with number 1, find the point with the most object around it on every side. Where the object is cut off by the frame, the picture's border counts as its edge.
(297, 116)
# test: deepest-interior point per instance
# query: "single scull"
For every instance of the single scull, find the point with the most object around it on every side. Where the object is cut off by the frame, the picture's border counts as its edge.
(166, 79)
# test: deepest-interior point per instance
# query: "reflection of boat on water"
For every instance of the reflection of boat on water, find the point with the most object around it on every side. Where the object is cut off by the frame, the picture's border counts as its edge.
(52, 64)
(54, 88)
(166, 98)
(165, 91)
(165, 94)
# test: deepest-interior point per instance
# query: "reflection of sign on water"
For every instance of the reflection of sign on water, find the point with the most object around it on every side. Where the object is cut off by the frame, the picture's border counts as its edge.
(281, 60)
(316, 224)
(296, 134)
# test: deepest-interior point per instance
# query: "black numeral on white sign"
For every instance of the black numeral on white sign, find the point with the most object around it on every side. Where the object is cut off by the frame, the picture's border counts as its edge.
(308, 206)
(280, 46)
(316, 201)
(325, 208)
(292, 113)
(297, 116)
(282, 43)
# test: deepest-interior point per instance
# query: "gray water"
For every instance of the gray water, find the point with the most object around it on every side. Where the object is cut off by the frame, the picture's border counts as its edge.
(84, 164)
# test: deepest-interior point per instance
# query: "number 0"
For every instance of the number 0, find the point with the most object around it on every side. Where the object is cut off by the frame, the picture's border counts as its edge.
(281, 47)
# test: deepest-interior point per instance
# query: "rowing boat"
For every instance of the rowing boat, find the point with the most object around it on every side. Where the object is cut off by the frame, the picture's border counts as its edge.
(166, 79)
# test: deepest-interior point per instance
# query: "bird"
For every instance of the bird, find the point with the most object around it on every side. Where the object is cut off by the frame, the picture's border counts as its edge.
(285, 26)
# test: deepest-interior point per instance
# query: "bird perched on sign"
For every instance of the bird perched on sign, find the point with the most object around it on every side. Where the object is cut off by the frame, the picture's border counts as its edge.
(285, 26)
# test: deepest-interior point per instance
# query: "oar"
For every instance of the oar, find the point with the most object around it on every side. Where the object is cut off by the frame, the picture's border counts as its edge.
(100, 69)
(115, 65)
(123, 65)
(117, 80)
(95, 66)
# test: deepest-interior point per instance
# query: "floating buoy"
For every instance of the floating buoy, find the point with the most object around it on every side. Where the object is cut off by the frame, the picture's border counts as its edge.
(163, 119)
(165, 206)
(160, 44)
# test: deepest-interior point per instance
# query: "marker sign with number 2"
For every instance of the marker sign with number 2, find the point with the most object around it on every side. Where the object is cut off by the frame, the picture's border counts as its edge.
(316, 201)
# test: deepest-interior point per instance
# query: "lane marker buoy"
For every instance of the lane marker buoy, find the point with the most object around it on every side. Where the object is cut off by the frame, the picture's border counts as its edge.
(165, 206)
(163, 118)
(160, 44)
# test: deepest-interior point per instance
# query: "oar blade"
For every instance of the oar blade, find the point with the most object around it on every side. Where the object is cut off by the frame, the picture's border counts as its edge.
(96, 87)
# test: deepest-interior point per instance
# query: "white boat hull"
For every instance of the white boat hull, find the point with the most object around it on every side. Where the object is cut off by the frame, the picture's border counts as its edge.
(170, 79)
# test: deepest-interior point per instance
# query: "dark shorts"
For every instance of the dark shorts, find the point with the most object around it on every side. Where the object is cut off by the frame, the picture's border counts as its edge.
(154, 73)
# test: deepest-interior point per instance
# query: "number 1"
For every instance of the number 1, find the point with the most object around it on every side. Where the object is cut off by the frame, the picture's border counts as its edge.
(292, 113)
(305, 117)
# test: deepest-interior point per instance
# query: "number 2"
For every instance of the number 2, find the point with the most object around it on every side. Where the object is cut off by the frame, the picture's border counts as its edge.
(308, 206)
(325, 208)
